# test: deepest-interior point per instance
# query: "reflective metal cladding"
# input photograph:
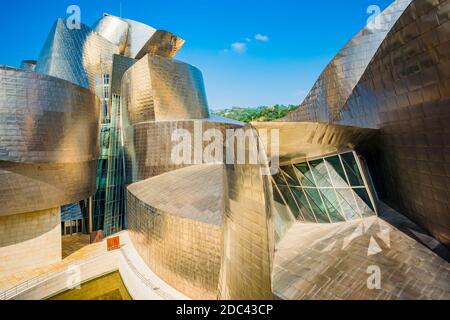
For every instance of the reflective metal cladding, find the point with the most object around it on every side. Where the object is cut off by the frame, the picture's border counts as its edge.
(405, 92)
(342, 74)
(396, 80)
(114, 30)
(175, 223)
(80, 56)
(97, 118)
(48, 128)
(162, 43)
(157, 89)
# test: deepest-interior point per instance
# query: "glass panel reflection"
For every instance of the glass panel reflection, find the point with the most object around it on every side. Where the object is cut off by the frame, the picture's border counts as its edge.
(332, 204)
(290, 201)
(317, 205)
(308, 215)
(279, 180)
(348, 204)
(326, 190)
(337, 172)
(305, 175)
(290, 176)
(352, 169)
(364, 202)
(320, 172)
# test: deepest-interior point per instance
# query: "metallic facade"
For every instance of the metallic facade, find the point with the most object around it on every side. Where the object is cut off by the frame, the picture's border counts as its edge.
(158, 89)
(97, 118)
(58, 184)
(336, 83)
(48, 158)
(90, 58)
(303, 140)
(78, 56)
(392, 87)
(138, 35)
(313, 184)
(114, 30)
(248, 232)
(323, 181)
(39, 128)
(403, 91)
(175, 223)
(206, 230)
(162, 43)
(149, 147)
(160, 96)
(48, 129)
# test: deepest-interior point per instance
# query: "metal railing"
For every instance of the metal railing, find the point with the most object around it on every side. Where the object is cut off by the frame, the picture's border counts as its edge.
(37, 281)
(41, 279)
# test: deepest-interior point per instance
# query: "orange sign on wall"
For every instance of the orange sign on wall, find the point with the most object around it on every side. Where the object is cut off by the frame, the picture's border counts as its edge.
(113, 243)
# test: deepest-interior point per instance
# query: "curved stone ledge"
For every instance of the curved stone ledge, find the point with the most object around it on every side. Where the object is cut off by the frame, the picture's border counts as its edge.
(29, 240)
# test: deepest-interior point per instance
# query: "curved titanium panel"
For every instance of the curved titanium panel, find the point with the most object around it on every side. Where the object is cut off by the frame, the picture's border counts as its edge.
(248, 233)
(342, 74)
(162, 43)
(157, 88)
(138, 36)
(48, 145)
(175, 224)
(39, 186)
(78, 56)
(301, 140)
(149, 146)
(406, 93)
(113, 29)
(120, 65)
(45, 119)
(196, 246)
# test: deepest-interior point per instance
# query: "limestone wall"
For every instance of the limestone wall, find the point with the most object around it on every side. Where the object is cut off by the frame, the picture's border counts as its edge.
(30, 240)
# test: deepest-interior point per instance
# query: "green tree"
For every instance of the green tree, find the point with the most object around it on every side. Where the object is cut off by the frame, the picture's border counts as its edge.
(261, 114)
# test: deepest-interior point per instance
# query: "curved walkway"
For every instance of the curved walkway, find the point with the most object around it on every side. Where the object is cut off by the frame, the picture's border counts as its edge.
(86, 264)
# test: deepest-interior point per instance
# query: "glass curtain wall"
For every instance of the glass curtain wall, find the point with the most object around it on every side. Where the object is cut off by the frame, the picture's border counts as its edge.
(109, 202)
(115, 183)
(325, 190)
(72, 219)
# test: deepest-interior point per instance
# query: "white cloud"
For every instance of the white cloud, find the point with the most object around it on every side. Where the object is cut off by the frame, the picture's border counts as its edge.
(248, 39)
(261, 37)
(239, 47)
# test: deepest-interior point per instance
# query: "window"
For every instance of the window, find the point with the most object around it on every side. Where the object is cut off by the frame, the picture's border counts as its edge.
(106, 79)
(325, 190)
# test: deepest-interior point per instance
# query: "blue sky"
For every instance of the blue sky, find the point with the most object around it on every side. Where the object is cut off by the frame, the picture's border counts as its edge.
(251, 52)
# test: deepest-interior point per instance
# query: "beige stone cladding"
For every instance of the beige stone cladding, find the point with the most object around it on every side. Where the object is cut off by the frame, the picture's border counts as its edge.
(30, 240)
